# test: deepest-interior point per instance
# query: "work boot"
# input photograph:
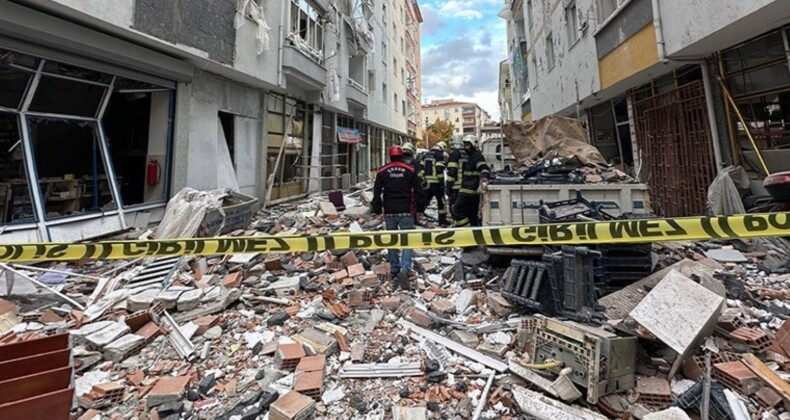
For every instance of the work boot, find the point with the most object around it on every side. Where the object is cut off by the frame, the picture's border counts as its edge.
(403, 280)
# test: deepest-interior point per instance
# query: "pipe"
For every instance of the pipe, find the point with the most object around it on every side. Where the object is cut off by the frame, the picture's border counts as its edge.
(745, 126)
(734, 149)
(662, 47)
(483, 398)
(714, 128)
(551, 364)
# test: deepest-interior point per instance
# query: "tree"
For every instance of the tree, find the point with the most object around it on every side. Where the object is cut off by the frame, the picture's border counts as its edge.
(438, 131)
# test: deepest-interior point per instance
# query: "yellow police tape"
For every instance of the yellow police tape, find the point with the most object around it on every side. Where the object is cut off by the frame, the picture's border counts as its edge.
(615, 232)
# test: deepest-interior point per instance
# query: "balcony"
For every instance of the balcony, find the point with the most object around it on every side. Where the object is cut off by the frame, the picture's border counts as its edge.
(302, 70)
(357, 95)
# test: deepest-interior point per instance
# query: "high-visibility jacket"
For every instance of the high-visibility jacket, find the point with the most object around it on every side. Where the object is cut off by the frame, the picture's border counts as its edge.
(472, 170)
(454, 176)
(433, 167)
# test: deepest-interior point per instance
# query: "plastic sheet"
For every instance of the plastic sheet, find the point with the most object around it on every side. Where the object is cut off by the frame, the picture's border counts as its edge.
(186, 210)
(551, 137)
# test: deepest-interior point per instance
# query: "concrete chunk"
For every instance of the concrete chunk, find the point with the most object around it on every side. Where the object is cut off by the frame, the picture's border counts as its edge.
(680, 313)
(167, 389)
(142, 300)
(169, 298)
(123, 347)
(89, 329)
(464, 300)
(500, 305)
(465, 337)
(107, 335)
(189, 300)
(538, 405)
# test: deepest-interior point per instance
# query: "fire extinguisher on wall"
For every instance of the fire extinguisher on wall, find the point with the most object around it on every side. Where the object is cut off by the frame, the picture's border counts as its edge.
(153, 173)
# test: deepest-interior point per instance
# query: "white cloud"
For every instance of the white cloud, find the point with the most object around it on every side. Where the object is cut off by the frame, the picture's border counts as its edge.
(462, 51)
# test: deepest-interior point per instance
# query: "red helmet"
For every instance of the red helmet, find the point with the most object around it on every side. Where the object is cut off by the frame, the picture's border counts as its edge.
(396, 151)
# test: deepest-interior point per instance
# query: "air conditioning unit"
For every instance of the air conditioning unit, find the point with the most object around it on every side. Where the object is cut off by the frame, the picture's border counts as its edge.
(602, 362)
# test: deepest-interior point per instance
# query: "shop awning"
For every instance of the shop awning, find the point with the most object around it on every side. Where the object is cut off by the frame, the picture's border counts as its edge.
(348, 135)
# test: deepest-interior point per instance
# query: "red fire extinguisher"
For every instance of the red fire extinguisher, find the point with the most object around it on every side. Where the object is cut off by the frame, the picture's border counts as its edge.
(153, 172)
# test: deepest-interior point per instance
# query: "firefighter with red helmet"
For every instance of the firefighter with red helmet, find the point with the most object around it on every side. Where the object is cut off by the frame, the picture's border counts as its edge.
(397, 198)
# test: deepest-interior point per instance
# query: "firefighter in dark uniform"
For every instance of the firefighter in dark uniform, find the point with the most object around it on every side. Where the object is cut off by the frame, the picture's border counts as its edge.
(466, 211)
(409, 159)
(454, 177)
(433, 167)
(396, 194)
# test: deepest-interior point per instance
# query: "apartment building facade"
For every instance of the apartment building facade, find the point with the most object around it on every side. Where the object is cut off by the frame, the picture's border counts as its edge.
(109, 108)
(466, 117)
(659, 84)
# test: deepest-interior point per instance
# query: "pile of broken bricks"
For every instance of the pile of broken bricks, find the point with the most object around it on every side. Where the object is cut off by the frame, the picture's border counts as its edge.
(327, 335)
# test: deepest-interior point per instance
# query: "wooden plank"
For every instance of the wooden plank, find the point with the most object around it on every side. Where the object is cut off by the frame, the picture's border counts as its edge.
(766, 374)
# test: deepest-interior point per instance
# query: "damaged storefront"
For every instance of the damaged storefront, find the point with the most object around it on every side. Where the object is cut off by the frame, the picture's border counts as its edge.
(84, 151)
(758, 78)
(288, 142)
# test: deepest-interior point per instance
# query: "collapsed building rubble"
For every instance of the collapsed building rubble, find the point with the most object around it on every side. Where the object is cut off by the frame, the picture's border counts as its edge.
(328, 335)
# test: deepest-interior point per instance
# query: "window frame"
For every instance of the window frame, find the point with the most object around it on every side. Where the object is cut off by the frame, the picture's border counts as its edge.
(24, 116)
(314, 30)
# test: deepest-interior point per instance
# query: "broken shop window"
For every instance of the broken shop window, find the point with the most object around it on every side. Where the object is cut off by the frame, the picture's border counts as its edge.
(70, 167)
(137, 125)
(13, 82)
(67, 97)
(16, 204)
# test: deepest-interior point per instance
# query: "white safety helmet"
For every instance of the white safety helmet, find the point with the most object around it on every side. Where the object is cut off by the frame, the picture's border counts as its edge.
(457, 141)
(408, 147)
(471, 139)
(441, 146)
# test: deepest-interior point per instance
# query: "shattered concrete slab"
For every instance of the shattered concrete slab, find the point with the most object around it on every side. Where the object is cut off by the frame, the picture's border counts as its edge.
(680, 313)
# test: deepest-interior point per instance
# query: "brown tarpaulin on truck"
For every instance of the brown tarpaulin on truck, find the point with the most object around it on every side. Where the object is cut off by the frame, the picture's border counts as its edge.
(551, 137)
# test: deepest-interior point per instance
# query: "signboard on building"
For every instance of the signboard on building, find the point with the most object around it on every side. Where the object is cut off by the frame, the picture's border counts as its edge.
(348, 135)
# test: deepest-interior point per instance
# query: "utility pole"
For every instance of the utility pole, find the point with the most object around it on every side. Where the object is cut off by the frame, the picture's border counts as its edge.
(427, 136)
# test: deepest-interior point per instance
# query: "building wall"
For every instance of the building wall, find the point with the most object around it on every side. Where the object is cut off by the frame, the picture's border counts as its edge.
(378, 107)
(209, 96)
(397, 64)
(731, 21)
(417, 60)
(453, 112)
(216, 68)
(574, 75)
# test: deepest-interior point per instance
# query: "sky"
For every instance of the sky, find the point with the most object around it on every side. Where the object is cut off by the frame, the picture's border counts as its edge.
(463, 42)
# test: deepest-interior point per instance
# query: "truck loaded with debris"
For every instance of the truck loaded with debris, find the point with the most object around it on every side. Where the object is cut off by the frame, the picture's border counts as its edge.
(557, 176)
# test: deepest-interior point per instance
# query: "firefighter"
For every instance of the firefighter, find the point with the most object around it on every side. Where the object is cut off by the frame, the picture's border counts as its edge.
(409, 159)
(433, 165)
(466, 210)
(454, 176)
(396, 192)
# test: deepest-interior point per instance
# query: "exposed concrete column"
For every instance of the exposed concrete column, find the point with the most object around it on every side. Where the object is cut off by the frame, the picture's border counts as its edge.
(180, 150)
(263, 150)
(370, 153)
(315, 157)
(714, 128)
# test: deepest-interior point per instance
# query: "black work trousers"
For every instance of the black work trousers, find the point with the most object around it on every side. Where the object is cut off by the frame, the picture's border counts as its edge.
(436, 190)
(466, 210)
